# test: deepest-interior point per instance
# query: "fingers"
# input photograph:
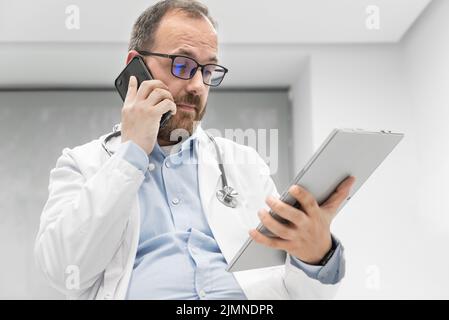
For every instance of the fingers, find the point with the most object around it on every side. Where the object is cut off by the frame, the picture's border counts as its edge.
(146, 87)
(340, 194)
(132, 89)
(157, 95)
(305, 199)
(270, 242)
(285, 210)
(281, 230)
(165, 106)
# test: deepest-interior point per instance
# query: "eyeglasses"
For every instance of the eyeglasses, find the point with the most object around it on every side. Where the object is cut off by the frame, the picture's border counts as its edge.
(183, 67)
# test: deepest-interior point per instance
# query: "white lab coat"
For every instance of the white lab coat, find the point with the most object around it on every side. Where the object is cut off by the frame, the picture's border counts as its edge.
(89, 227)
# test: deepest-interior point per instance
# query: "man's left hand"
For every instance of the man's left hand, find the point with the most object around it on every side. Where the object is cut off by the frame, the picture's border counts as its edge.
(307, 236)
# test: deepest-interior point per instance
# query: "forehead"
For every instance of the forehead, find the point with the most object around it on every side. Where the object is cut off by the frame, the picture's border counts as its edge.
(178, 31)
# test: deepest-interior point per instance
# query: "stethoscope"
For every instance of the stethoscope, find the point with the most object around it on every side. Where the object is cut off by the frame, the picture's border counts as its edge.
(226, 195)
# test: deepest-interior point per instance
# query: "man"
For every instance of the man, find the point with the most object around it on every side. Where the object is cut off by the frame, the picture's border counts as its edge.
(140, 225)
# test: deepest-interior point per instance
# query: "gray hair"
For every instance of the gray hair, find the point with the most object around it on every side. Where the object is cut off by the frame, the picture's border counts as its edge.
(144, 28)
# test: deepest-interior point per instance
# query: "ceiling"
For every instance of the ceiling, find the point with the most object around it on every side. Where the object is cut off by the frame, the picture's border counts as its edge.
(37, 50)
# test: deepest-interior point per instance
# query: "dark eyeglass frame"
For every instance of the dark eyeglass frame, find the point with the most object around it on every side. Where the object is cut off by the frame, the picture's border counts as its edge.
(199, 66)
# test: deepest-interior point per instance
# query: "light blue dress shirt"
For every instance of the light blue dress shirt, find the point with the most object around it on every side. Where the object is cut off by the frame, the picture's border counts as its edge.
(177, 255)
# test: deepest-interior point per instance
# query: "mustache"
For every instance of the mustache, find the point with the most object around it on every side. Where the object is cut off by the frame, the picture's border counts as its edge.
(190, 99)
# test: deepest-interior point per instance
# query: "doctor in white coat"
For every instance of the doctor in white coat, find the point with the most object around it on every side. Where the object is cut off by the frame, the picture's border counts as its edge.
(91, 227)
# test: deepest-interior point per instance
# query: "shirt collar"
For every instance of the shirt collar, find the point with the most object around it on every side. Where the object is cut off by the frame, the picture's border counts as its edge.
(184, 146)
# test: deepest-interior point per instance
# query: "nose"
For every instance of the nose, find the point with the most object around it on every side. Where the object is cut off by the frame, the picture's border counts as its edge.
(196, 85)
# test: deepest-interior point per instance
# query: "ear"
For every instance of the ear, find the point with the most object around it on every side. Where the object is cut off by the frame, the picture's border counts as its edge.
(131, 55)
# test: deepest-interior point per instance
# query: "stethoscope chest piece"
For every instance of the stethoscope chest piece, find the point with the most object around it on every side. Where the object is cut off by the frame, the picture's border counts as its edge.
(227, 196)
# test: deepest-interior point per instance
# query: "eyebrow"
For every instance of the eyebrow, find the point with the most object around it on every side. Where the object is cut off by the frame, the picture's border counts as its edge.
(187, 52)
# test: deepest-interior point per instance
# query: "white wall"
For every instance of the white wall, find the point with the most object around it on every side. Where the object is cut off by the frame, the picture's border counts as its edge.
(300, 94)
(426, 53)
(395, 230)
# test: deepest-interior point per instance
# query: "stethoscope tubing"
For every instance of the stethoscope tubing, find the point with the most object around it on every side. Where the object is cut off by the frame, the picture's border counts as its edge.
(227, 195)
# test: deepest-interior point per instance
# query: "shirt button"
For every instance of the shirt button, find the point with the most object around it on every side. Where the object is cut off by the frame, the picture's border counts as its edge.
(167, 164)
(202, 293)
(175, 201)
(151, 166)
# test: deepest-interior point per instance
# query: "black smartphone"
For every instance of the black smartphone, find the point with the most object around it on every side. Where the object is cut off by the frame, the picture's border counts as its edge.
(136, 67)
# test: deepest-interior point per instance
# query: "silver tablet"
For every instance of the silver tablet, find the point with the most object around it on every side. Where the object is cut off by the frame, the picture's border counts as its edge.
(346, 152)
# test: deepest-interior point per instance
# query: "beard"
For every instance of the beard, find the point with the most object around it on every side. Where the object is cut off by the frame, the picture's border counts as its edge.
(183, 122)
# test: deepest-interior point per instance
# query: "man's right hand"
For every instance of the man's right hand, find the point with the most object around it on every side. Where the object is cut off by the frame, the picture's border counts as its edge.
(142, 112)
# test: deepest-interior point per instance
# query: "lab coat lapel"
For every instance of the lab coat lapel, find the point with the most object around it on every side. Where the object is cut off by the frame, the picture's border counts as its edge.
(208, 171)
(226, 223)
